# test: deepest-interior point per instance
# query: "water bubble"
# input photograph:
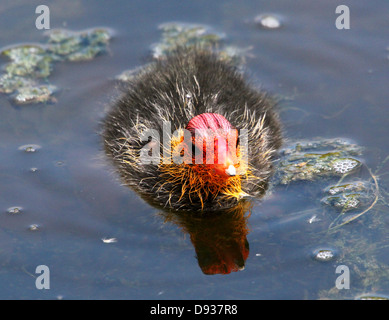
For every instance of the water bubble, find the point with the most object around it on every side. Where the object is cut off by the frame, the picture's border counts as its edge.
(324, 255)
(34, 227)
(268, 21)
(109, 240)
(30, 148)
(14, 210)
(344, 165)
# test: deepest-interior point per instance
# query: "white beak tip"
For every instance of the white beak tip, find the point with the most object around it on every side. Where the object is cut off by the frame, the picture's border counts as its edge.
(231, 171)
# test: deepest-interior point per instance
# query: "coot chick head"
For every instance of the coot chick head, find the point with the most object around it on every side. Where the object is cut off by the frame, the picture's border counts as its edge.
(215, 165)
(214, 141)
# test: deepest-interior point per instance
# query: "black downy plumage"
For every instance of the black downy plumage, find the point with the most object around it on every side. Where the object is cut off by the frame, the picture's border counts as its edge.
(187, 83)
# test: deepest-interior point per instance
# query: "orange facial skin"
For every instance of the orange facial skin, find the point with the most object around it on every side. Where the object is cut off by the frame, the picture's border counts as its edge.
(215, 141)
(207, 177)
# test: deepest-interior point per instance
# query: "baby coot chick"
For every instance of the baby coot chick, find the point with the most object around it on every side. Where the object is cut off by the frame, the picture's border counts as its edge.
(189, 133)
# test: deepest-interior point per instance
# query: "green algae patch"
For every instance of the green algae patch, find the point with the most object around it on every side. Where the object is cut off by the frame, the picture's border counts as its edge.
(175, 35)
(77, 46)
(28, 61)
(36, 94)
(184, 34)
(350, 196)
(313, 159)
(25, 76)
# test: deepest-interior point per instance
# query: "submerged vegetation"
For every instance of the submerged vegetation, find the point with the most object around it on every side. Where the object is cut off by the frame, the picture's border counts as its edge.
(350, 191)
(350, 201)
(328, 159)
(365, 244)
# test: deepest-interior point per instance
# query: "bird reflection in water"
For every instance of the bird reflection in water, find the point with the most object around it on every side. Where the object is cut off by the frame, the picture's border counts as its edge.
(219, 238)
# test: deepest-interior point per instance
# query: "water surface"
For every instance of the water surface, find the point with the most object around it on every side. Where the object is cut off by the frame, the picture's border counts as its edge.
(333, 83)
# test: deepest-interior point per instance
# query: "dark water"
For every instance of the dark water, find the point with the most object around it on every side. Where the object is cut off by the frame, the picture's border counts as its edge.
(334, 83)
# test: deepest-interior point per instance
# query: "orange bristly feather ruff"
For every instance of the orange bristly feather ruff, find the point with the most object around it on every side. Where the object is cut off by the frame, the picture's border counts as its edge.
(199, 181)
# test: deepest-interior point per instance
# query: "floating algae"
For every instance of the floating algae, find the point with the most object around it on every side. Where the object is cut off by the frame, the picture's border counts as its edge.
(25, 76)
(36, 94)
(349, 187)
(310, 160)
(184, 34)
(175, 35)
(350, 191)
(344, 202)
(28, 61)
(346, 197)
(10, 83)
(328, 160)
(357, 198)
(77, 46)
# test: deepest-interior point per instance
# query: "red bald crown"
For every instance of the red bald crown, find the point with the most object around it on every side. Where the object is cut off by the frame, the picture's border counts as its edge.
(211, 121)
(214, 128)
